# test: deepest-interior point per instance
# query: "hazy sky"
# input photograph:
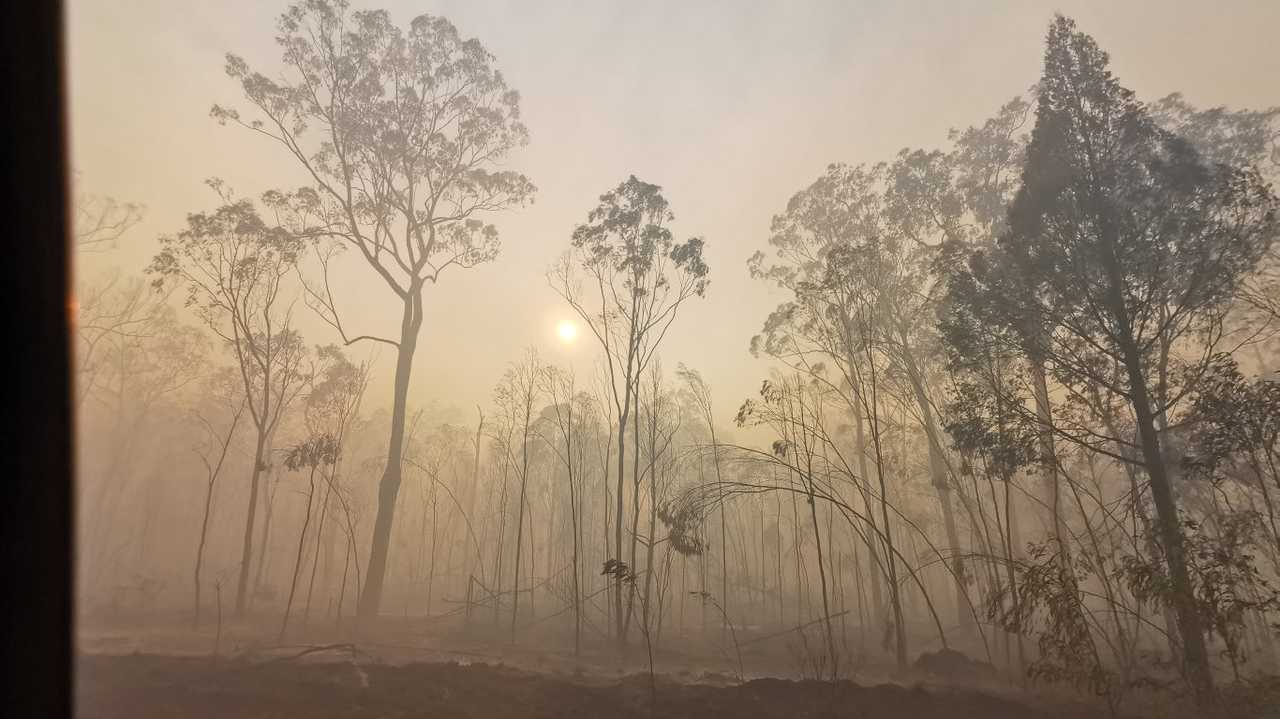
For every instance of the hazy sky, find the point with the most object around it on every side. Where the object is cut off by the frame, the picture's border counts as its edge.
(731, 106)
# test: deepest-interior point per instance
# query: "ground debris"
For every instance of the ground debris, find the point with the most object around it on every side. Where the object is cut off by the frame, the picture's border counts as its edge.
(953, 666)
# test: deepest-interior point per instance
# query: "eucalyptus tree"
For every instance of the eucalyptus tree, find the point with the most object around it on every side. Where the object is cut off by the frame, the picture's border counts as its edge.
(854, 251)
(401, 134)
(234, 270)
(1124, 251)
(627, 277)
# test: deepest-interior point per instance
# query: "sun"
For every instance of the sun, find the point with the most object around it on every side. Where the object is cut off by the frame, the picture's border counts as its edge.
(567, 331)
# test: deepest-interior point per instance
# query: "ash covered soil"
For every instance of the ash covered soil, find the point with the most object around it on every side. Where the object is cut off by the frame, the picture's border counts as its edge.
(145, 686)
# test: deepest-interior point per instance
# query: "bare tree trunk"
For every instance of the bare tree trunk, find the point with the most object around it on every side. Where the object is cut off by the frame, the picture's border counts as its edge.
(1195, 656)
(496, 590)
(471, 499)
(297, 562)
(1052, 488)
(1194, 653)
(320, 543)
(649, 574)
(620, 620)
(214, 471)
(435, 538)
(389, 487)
(532, 574)
(575, 521)
(524, 476)
(635, 508)
(900, 634)
(941, 484)
(342, 589)
(832, 656)
(863, 483)
(777, 551)
(724, 545)
(246, 551)
(609, 606)
(264, 544)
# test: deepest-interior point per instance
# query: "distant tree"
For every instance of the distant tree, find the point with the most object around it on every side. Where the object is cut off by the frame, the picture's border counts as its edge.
(627, 277)
(131, 355)
(108, 310)
(109, 313)
(100, 222)
(332, 406)
(986, 161)
(226, 388)
(855, 251)
(400, 133)
(571, 412)
(234, 270)
(1239, 138)
(698, 395)
(136, 369)
(792, 407)
(516, 395)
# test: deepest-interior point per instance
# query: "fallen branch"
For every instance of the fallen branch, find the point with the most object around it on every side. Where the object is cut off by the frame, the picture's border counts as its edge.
(792, 629)
(316, 649)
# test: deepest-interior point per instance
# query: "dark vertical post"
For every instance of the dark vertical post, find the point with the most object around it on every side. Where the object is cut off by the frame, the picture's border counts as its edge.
(35, 534)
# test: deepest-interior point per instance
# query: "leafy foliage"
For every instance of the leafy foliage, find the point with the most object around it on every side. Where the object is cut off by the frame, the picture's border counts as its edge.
(1226, 582)
(1049, 606)
(684, 526)
(317, 451)
(399, 131)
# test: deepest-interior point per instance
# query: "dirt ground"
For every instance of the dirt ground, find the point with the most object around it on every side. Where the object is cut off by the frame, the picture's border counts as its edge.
(322, 685)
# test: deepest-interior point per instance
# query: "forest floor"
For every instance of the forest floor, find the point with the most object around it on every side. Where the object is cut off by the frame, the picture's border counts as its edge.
(164, 669)
(149, 685)
(158, 669)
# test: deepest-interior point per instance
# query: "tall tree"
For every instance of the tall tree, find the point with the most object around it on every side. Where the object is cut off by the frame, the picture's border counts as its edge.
(399, 132)
(234, 269)
(1124, 251)
(627, 277)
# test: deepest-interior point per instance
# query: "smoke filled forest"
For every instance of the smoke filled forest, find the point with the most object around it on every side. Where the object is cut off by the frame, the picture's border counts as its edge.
(385, 408)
